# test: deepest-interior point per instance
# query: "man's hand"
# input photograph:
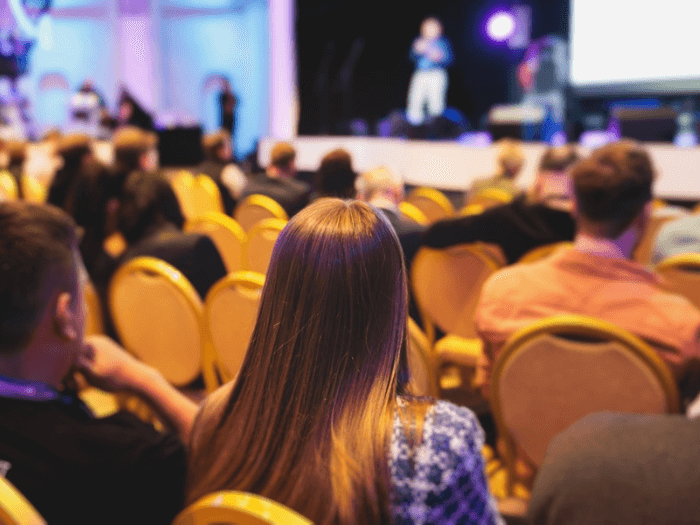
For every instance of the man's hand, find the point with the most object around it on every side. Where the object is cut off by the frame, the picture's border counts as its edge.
(108, 366)
(420, 46)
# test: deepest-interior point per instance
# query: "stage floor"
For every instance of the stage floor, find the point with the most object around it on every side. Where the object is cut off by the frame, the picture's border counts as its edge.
(453, 166)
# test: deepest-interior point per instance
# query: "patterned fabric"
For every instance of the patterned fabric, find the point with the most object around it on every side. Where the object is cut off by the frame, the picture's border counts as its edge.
(441, 481)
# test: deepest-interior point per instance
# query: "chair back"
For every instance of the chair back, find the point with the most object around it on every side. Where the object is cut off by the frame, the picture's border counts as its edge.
(552, 373)
(14, 507)
(261, 242)
(682, 272)
(8, 187)
(489, 197)
(446, 285)
(542, 252)
(230, 311)
(238, 508)
(412, 213)
(433, 203)
(645, 248)
(94, 320)
(255, 208)
(33, 190)
(197, 195)
(157, 315)
(421, 363)
(227, 235)
(472, 209)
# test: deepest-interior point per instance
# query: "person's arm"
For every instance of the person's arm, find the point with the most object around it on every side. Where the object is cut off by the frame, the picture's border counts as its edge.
(109, 367)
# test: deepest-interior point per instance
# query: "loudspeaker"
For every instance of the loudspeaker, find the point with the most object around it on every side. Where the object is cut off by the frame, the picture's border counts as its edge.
(652, 125)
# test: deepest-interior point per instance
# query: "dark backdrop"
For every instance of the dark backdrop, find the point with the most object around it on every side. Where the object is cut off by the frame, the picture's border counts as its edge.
(380, 32)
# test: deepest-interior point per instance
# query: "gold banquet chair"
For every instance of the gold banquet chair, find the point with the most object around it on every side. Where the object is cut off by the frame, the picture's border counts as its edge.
(261, 242)
(158, 316)
(33, 190)
(446, 285)
(197, 195)
(489, 197)
(8, 187)
(412, 213)
(255, 208)
(433, 203)
(645, 249)
(226, 234)
(421, 363)
(682, 272)
(542, 252)
(94, 320)
(230, 312)
(238, 508)
(14, 507)
(557, 370)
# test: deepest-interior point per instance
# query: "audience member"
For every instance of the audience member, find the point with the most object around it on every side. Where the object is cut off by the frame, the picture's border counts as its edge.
(278, 182)
(16, 156)
(319, 418)
(676, 237)
(134, 149)
(73, 467)
(625, 469)
(542, 217)
(613, 189)
(74, 154)
(335, 176)
(511, 160)
(218, 164)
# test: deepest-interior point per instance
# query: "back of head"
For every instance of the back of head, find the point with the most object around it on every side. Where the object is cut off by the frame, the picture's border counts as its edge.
(312, 409)
(335, 176)
(282, 156)
(613, 185)
(379, 182)
(129, 144)
(214, 143)
(36, 250)
(510, 157)
(147, 201)
(553, 184)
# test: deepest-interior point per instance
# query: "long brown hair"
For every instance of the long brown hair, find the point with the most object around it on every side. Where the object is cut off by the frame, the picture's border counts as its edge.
(309, 420)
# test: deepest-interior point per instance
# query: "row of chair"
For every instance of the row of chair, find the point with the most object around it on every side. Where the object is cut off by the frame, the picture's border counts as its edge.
(32, 189)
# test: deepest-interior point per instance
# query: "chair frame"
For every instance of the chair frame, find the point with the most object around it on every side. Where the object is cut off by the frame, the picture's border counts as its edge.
(566, 325)
(265, 224)
(15, 509)
(495, 197)
(206, 183)
(425, 353)
(225, 222)
(262, 201)
(679, 261)
(434, 195)
(413, 213)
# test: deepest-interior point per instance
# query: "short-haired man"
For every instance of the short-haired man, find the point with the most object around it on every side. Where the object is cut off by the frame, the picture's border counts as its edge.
(279, 183)
(513, 229)
(613, 191)
(73, 467)
(135, 149)
(218, 164)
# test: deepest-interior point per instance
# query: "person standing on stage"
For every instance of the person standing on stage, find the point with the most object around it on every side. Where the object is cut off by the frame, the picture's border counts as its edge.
(227, 104)
(432, 54)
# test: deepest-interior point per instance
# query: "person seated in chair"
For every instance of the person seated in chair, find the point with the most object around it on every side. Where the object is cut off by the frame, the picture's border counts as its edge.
(219, 165)
(511, 160)
(597, 277)
(73, 467)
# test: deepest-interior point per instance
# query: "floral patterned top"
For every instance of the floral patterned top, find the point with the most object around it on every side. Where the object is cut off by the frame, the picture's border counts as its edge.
(442, 480)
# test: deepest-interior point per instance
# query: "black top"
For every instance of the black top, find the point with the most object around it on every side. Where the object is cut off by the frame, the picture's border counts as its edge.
(517, 227)
(77, 469)
(291, 194)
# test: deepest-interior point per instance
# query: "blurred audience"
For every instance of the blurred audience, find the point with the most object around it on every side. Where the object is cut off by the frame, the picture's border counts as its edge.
(335, 176)
(335, 434)
(539, 218)
(279, 183)
(511, 160)
(72, 466)
(134, 149)
(219, 165)
(613, 192)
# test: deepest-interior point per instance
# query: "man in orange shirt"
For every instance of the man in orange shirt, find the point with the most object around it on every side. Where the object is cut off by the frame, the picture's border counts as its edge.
(613, 190)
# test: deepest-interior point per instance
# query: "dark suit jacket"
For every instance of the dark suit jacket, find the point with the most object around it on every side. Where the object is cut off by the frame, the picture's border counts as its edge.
(292, 195)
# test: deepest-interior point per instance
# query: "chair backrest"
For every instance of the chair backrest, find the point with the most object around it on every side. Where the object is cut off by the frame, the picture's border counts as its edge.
(412, 213)
(227, 235)
(8, 187)
(14, 507)
(682, 272)
(542, 252)
(447, 284)
(33, 190)
(158, 317)
(421, 364)
(230, 311)
(261, 241)
(472, 209)
(433, 203)
(94, 320)
(559, 369)
(197, 195)
(255, 208)
(239, 508)
(490, 197)
(645, 248)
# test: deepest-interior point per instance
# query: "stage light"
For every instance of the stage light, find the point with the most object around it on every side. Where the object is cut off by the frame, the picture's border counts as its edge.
(500, 26)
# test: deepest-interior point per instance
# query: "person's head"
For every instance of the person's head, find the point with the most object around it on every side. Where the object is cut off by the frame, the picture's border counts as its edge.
(553, 184)
(335, 176)
(282, 159)
(147, 202)
(379, 183)
(217, 146)
(510, 157)
(74, 150)
(41, 307)
(135, 149)
(310, 416)
(431, 28)
(613, 189)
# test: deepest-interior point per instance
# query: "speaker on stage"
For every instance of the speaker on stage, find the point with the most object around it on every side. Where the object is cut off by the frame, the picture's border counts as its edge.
(645, 124)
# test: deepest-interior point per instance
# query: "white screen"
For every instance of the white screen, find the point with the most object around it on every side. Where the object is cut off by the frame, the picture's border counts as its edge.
(635, 45)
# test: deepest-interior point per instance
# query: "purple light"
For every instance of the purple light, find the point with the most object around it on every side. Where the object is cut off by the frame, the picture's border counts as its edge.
(500, 26)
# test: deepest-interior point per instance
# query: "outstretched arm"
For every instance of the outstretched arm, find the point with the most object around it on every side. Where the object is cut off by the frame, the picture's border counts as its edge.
(108, 366)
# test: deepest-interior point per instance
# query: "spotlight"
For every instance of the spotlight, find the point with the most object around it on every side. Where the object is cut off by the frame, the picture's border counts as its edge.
(500, 26)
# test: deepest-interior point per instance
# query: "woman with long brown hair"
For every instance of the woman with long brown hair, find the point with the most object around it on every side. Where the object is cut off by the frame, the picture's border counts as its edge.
(319, 417)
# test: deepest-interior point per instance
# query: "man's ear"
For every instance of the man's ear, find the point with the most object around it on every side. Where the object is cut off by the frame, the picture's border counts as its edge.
(64, 317)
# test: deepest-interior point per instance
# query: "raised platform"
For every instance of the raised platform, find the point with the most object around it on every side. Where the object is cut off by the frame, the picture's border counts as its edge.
(453, 166)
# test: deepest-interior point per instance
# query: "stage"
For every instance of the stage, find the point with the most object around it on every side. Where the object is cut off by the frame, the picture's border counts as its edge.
(452, 166)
